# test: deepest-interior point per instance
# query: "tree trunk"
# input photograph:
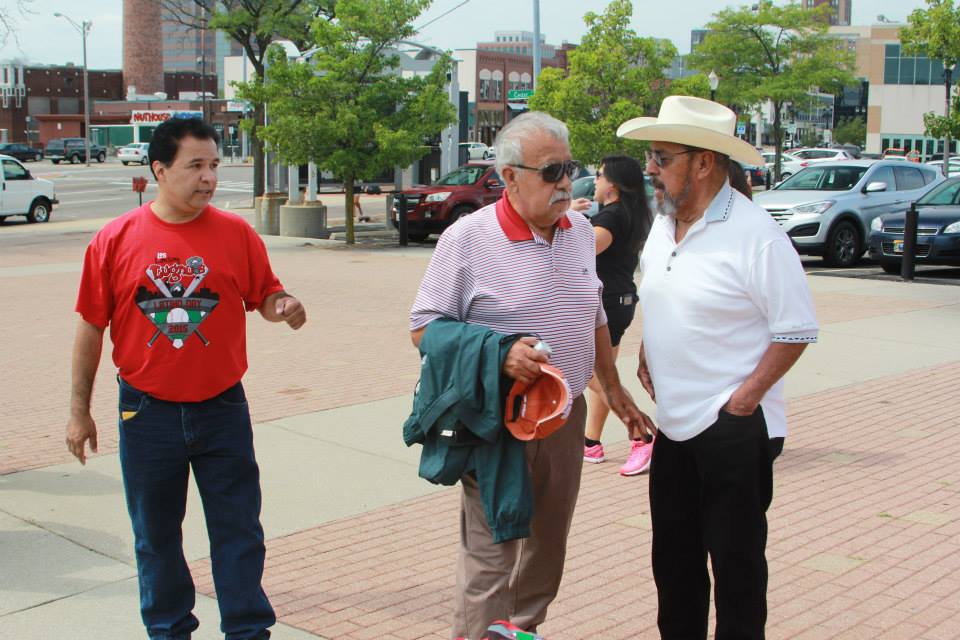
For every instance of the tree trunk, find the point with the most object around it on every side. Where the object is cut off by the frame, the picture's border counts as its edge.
(348, 201)
(259, 179)
(777, 140)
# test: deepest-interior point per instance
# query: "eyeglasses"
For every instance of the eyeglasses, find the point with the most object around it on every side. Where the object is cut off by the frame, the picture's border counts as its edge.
(662, 159)
(554, 171)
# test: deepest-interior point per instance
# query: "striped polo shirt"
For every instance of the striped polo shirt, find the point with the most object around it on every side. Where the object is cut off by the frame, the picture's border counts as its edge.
(490, 269)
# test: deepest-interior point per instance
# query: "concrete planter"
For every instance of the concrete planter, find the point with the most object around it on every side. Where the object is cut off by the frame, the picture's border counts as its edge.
(267, 213)
(304, 220)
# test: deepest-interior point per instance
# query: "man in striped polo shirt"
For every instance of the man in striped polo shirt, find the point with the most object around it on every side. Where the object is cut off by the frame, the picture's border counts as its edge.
(526, 265)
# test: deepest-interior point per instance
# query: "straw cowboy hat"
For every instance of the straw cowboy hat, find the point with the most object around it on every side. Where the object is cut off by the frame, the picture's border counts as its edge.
(694, 122)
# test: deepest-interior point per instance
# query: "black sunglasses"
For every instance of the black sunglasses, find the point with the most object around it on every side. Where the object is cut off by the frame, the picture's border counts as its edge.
(554, 171)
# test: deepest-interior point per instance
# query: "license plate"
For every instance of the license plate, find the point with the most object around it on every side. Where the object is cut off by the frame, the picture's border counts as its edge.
(898, 246)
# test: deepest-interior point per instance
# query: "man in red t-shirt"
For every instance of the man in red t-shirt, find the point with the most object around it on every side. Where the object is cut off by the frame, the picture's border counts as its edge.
(172, 280)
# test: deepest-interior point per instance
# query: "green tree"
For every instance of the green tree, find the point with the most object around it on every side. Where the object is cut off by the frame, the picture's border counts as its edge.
(776, 53)
(697, 86)
(852, 130)
(254, 24)
(935, 32)
(614, 75)
(348, 108)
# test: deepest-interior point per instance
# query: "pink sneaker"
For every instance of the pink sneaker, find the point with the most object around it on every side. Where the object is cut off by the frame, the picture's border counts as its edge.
(593, 454)
(639, 460)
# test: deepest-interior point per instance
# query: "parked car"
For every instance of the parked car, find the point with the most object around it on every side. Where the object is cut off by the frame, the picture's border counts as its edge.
(954, 165)
(72, 150)
(136, 152)
(789, 164)
(853, 150)
(433, 208)
(827, 208)
(820, 154)
(21, 194)
(477, 151)
(586, 186)
(938, 230)
(901, 154)
(756, 174)
(22, 152)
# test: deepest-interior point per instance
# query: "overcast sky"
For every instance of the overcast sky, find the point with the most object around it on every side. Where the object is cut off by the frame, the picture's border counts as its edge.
(42, 38)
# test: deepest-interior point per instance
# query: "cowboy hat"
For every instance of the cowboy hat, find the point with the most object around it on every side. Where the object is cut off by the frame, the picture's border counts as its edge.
(694, 122)
(534, 411)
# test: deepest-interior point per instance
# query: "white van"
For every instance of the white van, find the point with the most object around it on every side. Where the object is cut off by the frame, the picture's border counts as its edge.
(23, 195)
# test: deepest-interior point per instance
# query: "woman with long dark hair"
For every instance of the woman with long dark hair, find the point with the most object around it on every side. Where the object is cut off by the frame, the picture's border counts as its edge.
(621, 228)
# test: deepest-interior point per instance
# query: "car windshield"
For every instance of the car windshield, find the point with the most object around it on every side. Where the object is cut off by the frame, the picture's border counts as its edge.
(831, 178)
(463, 175)
(946, 193)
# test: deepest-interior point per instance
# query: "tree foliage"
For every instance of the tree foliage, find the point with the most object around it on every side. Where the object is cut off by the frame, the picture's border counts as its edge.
(614, 75)
(348, 108)
(254, 24)
(776, 53)
(697, 86)
(935, 32)
(852, 130)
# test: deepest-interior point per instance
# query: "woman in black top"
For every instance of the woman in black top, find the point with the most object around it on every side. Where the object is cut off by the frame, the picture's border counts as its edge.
(621, 228)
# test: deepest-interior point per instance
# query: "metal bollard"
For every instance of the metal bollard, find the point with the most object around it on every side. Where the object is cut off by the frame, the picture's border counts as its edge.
(401, 200)
(909, 243)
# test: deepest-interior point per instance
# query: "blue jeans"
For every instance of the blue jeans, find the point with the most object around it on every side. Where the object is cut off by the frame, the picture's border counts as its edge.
(159, 444)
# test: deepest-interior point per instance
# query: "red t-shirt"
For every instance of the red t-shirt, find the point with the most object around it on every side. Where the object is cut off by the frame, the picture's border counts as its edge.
(174, 296)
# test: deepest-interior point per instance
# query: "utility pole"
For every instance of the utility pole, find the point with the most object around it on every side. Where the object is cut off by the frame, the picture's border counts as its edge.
(536, 43)
(948, 84)
(203, 62)
(84, 29)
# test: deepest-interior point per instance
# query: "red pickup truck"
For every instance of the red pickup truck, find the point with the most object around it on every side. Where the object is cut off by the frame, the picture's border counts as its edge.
(433, 208)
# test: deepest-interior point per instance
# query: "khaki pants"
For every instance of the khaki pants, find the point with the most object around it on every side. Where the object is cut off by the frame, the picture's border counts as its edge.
(517, 580)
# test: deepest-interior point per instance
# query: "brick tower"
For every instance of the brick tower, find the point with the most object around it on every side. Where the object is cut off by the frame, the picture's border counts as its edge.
(142, 46)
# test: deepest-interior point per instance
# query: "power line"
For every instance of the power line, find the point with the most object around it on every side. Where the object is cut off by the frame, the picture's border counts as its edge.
(447, 12)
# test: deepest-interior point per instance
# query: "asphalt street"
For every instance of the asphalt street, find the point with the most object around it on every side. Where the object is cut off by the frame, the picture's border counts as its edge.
(105, 191)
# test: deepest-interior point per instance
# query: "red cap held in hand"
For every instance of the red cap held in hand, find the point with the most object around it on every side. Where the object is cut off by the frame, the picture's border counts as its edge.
(536, 410)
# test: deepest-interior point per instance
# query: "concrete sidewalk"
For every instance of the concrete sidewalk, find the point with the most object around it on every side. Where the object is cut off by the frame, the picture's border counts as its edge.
(864, 530)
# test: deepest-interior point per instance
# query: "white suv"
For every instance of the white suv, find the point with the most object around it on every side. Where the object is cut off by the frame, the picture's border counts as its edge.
(821, 155)
(827, 208)
(23, 195)
(136, 152)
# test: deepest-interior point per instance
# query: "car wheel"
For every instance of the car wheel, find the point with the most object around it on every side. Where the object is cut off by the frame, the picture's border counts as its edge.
(101, 157)
(39, 212)
(843, 245)
(124, 162)
(145, 160)
(459, 212)
(891, 266)
(74, 159)
(785, 175)
(417, 237)
(55, 161)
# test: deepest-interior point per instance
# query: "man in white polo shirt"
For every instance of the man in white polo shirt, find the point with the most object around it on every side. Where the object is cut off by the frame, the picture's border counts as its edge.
(526, 265)
(726, 313)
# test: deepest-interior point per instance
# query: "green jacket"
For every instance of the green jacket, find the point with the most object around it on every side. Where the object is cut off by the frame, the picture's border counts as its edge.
(458, 418)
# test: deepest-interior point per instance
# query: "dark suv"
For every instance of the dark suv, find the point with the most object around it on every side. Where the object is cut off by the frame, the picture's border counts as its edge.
(72, 150)
(431, 209)
(22, 152)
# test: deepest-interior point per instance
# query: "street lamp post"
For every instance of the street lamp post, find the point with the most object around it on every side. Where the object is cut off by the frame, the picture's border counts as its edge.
(84, 29)
(948, 82)
(714, 83)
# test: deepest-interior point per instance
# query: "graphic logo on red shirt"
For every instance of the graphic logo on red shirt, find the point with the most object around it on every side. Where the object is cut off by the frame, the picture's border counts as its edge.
(177, 307)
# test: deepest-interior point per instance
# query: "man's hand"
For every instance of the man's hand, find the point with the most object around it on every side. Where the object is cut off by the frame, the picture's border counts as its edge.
(581, 204)
(644, 374)
(291, 311)
(523, 361)
(741, 403)
(639, 424)
(81, 429)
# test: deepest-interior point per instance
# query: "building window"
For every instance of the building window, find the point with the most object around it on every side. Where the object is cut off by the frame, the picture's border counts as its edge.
(918, 70)
(485, 85)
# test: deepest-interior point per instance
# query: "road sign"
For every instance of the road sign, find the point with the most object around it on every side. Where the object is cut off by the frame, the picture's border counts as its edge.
(519, 94)
(741, 128)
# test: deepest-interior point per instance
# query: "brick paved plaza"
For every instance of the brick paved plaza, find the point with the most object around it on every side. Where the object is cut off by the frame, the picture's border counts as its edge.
(864, 527)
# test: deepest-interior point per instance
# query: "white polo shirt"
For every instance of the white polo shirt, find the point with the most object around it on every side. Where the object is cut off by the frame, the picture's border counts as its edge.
(712, 305)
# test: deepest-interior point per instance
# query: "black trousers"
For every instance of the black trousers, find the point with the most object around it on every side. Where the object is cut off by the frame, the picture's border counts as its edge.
(709, 496)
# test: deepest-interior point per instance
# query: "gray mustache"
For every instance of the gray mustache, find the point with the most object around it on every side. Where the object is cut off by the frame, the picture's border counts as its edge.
(560, 195)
